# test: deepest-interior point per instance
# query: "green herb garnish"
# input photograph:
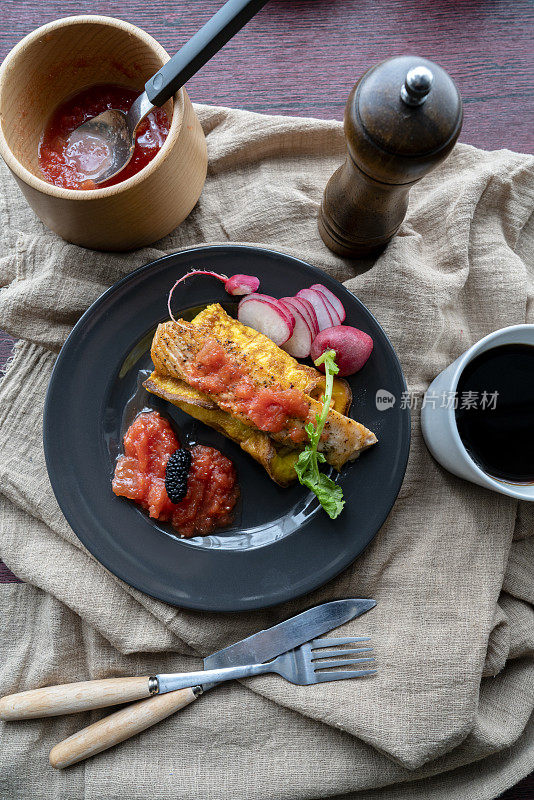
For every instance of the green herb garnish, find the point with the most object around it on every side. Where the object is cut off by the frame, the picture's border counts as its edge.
(329, 494)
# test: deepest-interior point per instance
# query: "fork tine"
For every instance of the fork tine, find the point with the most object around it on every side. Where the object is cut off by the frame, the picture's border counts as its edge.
(320, 677)
(352, 651)
(317, 643)
(343, 662)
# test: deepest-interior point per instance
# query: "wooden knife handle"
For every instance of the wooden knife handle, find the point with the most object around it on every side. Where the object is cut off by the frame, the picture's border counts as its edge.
(68, 698)
(118, 726)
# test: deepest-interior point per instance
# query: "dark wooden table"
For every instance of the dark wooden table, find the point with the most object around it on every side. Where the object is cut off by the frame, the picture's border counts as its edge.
(303, 56)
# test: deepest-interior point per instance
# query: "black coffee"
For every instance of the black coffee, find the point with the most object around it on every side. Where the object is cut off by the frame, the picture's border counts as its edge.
(495, 413)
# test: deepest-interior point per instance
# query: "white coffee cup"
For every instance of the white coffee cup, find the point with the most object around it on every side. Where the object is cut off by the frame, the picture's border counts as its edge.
(438, 422)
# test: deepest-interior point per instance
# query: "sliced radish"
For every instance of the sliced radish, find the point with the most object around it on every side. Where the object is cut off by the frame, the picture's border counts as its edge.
(334, 316)
(311, 311)
(305, 309)
(268, 316)
(352, 347)
(331, 310)
(300, 343)
(332, 299)
(324, 318)
(242, 284)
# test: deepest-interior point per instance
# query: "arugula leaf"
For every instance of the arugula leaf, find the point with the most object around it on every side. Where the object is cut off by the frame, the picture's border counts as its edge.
(329, 494)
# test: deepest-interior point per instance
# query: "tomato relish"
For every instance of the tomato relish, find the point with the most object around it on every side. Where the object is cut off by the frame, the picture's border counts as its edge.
(212, 489)
(66, 169)
(269, 408)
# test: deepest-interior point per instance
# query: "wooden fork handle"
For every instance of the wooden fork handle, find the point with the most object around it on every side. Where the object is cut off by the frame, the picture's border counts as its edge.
(118, 726)
(68, 698)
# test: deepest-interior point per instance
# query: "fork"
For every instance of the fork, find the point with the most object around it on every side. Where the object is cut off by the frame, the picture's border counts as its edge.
(311, 663)
(305, 665)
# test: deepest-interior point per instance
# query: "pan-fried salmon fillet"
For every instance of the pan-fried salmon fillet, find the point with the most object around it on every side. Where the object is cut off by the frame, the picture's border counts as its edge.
(212, 359)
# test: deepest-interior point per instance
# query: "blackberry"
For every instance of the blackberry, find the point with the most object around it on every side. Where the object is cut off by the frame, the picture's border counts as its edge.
(176, 474)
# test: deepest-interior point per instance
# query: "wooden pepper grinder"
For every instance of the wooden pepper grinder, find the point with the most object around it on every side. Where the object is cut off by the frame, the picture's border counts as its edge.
(402, 119)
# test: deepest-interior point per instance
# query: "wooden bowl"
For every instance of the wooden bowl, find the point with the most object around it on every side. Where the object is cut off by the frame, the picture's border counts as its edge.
(51, 64)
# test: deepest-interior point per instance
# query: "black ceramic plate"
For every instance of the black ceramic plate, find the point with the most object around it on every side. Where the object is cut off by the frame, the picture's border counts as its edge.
(282, 543)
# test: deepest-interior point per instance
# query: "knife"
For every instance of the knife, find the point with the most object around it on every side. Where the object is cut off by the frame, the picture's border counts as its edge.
(286, 635)
(259, 647)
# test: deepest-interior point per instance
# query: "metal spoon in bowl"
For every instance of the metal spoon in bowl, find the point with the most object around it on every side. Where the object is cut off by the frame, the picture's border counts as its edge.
(105, 143)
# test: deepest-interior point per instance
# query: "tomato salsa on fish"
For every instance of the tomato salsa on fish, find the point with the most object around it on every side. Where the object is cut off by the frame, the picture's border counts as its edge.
(71, 168)
(269, 407)
(212, 488)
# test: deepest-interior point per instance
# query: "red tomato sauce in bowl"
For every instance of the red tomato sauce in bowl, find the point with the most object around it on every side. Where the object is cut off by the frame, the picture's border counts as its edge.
(212, 488)
(58, 165)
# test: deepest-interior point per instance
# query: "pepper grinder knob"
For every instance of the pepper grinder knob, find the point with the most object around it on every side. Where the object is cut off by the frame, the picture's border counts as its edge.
(402, 119)
(416, 86)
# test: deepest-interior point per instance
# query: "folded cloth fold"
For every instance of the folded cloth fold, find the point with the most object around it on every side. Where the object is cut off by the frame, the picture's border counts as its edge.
(449, 713)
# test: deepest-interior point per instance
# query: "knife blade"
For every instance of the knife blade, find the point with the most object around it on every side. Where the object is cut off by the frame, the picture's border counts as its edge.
(293, 632)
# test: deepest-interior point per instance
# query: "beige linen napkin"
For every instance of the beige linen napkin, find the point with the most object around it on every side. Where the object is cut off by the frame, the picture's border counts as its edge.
(449, 714)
